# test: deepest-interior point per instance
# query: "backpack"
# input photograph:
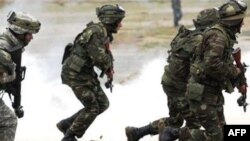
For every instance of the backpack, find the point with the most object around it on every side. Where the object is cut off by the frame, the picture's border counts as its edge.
(82, 38)
(182, 50)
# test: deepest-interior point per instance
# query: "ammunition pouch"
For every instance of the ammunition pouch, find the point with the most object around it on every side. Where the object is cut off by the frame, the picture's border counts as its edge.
(76, 63)
(195, 91)
(228, 86)
(199, 76)
(197, 71)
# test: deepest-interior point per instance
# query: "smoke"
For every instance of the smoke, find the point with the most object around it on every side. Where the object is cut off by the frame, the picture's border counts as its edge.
(46, 101)
(136, 103)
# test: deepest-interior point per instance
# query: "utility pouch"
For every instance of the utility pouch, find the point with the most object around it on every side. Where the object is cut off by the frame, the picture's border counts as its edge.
(197, 71)
(76, 63)
(195, 91)
(228, 86)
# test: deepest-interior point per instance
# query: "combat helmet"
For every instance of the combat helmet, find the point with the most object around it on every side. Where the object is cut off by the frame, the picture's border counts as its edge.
(206, 17)
(21, 23)
(232, 12)
(110, 14)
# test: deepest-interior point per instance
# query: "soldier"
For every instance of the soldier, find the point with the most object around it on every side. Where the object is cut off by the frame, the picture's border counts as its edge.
(18, 34)
(91, 48)
(212, 69)
(175, 78)
(176, 6)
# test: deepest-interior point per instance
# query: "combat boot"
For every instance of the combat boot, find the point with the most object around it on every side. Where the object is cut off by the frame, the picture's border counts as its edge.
(69, 136)
(134, 134)
(169, 134)
(63, 126)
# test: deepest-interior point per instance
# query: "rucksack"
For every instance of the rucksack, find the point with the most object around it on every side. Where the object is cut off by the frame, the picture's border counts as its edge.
(183, 47)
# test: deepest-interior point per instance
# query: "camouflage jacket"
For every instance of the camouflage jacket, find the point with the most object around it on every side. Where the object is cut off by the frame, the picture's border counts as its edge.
(9, 46)
(91, 49)
(182, 49)
(214, 62)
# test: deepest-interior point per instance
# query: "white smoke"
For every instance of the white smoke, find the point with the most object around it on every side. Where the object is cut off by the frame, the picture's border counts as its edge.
(46, 101)
(137, 103)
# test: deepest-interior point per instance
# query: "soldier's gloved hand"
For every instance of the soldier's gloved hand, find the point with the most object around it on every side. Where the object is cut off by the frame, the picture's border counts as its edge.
(237, 71)
(19, 111)
(110, 72)
(242, 89)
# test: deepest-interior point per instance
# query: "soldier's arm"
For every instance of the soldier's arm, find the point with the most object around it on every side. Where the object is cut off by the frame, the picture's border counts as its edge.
(214, 50)
(7, 68)
(98, 52)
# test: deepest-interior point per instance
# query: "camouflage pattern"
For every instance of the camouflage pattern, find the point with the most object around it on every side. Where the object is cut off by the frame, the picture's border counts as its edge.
(109, 14)
(21, 23)
(176, 6)
(176, 76)
(7, 68)
(212, 69)
(8, 123)
(8, 120)
(90, 49)
(95, 102)
(206, 17)
(232, 13)
(160, 124)
(233, 10)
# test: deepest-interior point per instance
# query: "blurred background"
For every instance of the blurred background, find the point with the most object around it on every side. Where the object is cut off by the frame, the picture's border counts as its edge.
(140, 52)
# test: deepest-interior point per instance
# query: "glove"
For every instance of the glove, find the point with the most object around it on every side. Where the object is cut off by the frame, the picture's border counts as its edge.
(19, 112)
(110, 72)
(242, 89)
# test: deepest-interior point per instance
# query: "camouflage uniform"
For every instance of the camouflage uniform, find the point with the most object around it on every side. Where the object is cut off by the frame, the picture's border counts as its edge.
(11, 48)
(176, 6)
(91, 49)
(176, 77)
(8, 123)
(212, 69)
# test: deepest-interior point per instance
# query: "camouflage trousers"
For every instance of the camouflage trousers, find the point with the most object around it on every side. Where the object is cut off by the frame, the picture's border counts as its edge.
(8, 123)
(94, 101)
(178, 111)
(209, 111)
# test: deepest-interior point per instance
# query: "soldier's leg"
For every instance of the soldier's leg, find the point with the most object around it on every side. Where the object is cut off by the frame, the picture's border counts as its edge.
(134, 133)
(87, 96)
(102, 99)
(191, 120)
(207, 113)
(175, 118)
(64, 124)
(8, 123)
(209, 120)
(220, 110)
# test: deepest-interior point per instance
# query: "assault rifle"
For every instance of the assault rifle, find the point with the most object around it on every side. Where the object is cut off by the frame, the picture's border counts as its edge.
(108, 84)
(241, 82)
(14, 88)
